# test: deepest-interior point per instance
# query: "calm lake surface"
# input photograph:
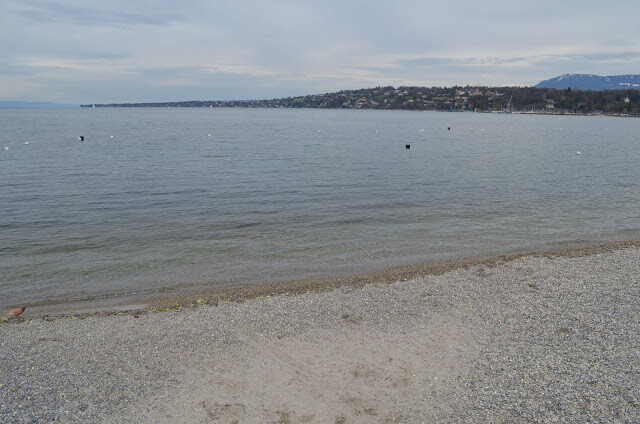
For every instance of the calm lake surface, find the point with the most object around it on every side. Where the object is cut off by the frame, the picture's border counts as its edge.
(157, 200)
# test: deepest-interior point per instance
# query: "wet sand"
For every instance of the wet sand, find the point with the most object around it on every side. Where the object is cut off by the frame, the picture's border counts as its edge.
(190, 298)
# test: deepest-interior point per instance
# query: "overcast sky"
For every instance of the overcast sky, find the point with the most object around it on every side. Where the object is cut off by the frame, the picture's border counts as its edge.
(89, 51)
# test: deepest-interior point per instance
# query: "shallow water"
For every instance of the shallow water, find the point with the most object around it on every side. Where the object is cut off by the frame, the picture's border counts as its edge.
(161, 199)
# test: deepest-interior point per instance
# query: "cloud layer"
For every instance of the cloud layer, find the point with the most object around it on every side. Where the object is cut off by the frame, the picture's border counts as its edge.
(94, 51)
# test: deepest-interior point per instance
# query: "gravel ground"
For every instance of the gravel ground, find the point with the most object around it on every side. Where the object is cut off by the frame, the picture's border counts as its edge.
(542, 338)
(564, 343)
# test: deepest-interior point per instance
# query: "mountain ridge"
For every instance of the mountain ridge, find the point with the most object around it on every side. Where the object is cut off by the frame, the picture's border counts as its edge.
(592, 82)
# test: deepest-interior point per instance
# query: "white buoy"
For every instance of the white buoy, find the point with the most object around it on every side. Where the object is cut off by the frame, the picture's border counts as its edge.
(209, 135)
(26, 143)
(6, 147)
(578, 152)
(111, 137)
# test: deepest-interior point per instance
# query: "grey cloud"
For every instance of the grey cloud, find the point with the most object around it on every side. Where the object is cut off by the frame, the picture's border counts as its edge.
(618, 56)
(459, 63)
(83, 14)
(167, 50)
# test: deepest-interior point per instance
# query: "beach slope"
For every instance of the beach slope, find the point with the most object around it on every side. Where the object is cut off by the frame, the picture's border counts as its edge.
(538, 338)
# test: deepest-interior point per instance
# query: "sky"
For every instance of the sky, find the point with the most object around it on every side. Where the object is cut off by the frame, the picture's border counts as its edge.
(90, 51)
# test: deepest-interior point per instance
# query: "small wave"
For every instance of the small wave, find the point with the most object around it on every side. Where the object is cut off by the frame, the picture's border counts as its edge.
(246, 225)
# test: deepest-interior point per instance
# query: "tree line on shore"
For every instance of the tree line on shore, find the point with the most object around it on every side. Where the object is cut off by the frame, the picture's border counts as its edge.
(457, 98)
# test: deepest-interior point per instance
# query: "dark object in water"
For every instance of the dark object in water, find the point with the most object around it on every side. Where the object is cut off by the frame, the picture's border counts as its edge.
(407, 146)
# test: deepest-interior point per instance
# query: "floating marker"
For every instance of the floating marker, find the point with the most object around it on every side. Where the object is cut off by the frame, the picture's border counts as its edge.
(407, 146)
(81, 138)
(6, 147)
(448, 128)
(26, 143)
(578, 152)
(209, 135)
(110, 136)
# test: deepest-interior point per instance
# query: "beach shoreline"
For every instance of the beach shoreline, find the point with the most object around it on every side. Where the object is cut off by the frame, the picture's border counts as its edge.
(533, 338)
(191, 297)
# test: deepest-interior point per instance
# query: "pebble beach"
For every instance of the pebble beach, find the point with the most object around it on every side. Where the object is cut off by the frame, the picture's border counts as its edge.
(537, 338)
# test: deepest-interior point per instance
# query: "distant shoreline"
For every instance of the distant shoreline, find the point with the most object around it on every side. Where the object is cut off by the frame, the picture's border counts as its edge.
(36, 105)
(598, 115)
(528, 100)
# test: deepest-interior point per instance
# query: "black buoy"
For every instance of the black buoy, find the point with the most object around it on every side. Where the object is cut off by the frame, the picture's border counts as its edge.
(448, 128)
(407, 146)
(81, 138)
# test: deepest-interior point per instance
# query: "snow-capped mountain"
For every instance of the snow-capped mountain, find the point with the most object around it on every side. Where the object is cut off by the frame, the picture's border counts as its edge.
(592, 82)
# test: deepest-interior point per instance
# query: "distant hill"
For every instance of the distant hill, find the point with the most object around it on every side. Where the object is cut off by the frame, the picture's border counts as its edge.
(592, 82)
(479, 99)
(33, 104)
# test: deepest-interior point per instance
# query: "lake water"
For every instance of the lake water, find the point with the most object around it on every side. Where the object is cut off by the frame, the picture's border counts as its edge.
(155, 200)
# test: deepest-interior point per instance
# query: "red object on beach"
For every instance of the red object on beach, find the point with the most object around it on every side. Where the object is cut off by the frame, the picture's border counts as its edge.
(15, 312)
